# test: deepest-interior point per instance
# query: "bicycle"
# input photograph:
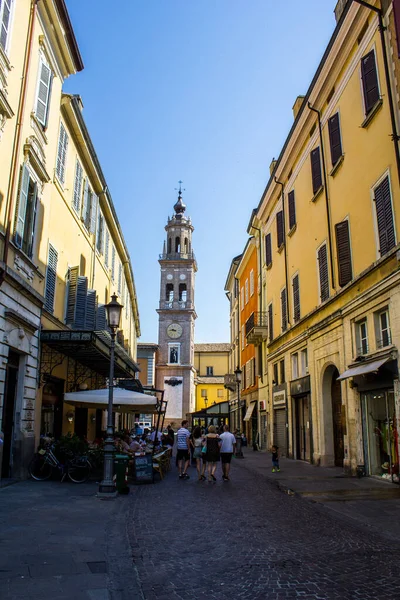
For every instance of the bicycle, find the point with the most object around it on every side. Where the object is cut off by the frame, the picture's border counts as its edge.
(41, 467)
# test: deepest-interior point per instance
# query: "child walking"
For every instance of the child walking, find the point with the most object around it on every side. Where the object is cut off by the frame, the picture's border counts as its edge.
(275, 459)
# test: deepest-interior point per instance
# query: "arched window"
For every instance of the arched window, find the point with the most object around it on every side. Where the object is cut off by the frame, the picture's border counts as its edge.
(169, 292)
(169, 245)
(182, 292)
(177, 244)
(186, 245)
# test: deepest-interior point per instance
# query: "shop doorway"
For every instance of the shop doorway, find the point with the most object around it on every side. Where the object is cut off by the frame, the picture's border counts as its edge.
(81, 421)
(52, 408)
(332, 438)
(280, 430)
(303, 445)
(8, 416)
(337, 415)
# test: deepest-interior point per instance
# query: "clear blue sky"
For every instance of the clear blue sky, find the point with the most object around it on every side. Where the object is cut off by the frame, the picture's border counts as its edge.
(198, 90)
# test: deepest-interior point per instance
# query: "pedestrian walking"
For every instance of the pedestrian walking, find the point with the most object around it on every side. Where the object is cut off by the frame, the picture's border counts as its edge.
(198, 442)
(275, 458)
(213, 452)
(183, 450)
(226, 451)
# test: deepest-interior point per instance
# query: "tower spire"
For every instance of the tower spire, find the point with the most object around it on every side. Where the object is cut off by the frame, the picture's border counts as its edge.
(179, 206)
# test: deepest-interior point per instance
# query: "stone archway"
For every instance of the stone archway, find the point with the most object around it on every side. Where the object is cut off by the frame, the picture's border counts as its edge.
(332, 443)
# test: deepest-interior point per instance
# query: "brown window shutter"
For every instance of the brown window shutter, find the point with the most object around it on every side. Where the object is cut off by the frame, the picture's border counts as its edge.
(296, 298)
(384, 217)
(279, 228)
(292, 210)
(316, 170)
(369, 77)
(343, 252)
(323, 273)
(268, 250)
(284, 309)
(334, 138)
(270, 323)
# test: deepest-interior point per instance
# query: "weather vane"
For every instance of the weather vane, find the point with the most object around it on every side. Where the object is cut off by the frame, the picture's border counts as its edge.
(180, 189)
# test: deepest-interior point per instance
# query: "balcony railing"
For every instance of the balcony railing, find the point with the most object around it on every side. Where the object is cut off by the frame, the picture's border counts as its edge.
(176, 304)
(257, 328)
(177, 256)
(385, 340)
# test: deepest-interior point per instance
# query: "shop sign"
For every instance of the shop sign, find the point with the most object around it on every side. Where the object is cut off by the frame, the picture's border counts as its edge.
(279, 398)
(300, 387)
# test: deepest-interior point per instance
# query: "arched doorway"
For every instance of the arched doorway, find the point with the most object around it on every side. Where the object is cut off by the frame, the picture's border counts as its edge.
(332, 429)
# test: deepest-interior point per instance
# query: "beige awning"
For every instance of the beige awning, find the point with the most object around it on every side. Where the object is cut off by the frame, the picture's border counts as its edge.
(363, 368)
(249, 411)
(123, 400)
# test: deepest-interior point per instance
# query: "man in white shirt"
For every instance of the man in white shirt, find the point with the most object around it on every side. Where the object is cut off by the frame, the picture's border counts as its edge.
(183, 450)
(227, 448)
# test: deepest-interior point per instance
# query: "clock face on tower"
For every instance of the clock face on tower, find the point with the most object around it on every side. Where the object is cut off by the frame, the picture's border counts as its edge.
(174, 330)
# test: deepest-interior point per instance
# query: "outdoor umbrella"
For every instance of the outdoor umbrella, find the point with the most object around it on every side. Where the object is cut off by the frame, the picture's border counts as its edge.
(123, 400)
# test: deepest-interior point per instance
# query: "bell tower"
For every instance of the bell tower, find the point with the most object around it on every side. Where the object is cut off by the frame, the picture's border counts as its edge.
(176, 316)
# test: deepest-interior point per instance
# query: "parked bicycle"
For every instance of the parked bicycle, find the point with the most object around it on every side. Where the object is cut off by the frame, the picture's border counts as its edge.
(43, 464)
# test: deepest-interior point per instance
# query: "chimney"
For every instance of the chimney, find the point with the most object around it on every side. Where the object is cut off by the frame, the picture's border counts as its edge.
(272, 166)
(297, 105)
(340, 6)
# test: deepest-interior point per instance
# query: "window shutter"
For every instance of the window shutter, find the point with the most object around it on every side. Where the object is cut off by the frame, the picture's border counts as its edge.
(80, 306)
(343, 252)
(21, 208)
(51, 279)
(268, 250)
(369, 77)
(78, 186)
(100, 233)
(113, 263)
(91, 308)
(62, 153)
(279, 228)
(30, 222)
(292, 210)
(106, 246)
(93, 213)
(5, 22)
(384, 216)
(101, 320)
(334, 138)
(296, 298)
(270, 323)
(323, 273)
(316, 170)
(119, 277)
(71, 299)
(85, 207)
(43, 94)
(284, 309)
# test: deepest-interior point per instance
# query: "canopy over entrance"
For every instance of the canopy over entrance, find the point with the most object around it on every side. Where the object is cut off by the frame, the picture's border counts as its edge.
(123, 400)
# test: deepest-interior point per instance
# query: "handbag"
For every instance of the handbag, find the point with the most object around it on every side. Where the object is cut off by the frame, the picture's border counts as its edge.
(204, 448)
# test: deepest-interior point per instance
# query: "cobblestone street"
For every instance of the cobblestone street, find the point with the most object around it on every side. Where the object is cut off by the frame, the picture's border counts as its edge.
(247, 539)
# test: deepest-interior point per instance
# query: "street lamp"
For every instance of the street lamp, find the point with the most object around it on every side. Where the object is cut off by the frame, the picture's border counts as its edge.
(238, 377)
(107, 488)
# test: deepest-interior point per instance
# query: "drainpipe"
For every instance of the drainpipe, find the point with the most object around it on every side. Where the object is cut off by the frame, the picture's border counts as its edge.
(17, 137)
(285, 250)
(394, 135)
(328, 210)
(260, 357)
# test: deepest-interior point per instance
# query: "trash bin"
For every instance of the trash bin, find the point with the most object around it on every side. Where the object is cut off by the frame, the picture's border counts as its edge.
(121, 462)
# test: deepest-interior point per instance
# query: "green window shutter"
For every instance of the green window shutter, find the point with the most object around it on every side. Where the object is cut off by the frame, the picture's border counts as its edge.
(91, 308)
(119, 278)
(62, 153)
(93, 212)
(85, 207)
(43, 94)
(113, 263)
(343, 252)
(21, 208)
(78, 186)
(106, 247)
(80, 308)
(71, 298)
(51, 279)
(101, 320)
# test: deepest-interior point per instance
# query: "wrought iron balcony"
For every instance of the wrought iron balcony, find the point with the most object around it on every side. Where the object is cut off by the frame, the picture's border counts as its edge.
(257, 328)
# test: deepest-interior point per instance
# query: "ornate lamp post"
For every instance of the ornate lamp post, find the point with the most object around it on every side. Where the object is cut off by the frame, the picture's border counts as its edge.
(107, 488)
(238, 377)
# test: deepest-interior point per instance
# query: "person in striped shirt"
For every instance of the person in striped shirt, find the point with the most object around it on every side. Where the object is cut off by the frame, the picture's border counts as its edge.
(183, 450)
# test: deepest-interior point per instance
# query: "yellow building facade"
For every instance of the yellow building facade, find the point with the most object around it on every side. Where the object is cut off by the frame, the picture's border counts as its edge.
(62, 249)
(328, 222)
(211, 362)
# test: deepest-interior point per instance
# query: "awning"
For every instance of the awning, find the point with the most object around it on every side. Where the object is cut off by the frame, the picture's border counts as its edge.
(364, 368)
(123, 400)
(91, 349)
(249, 411)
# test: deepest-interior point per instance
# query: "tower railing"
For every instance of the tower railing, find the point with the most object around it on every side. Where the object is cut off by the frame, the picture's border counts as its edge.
(176, 304)
(177, 256)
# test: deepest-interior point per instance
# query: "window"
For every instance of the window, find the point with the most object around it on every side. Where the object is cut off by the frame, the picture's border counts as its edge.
(174, 353)
(242, 332)
(246, 290)
(276, 376)
(51, 279)
(343, 252)
(270, 323)
(119, 278)
(169, 292)
(89, 208)
(77, 186)
(295, 365)
(279, 229)
(26, 213)
(284, 309)
(282, 371)
(268, 250)
(382, 329)
(100, 233)
(177, 245)
(209, 371)
(316, 170)
(62, 154)
(251, 282)
(113, 263)
(335, 138)
(242, 298)
(5, 22)
(106, 246)
(220, 393)
(369, 76)
(384, 217)
(323, 273)
(203, 393)
(43, 92)
(182, 292)
(362, 337)
(296, 298)
(292, 210)
(303, 362)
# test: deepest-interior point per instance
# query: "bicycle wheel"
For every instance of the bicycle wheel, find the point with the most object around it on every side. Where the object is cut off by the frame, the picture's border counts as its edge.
(39, 469)
(79, 470)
